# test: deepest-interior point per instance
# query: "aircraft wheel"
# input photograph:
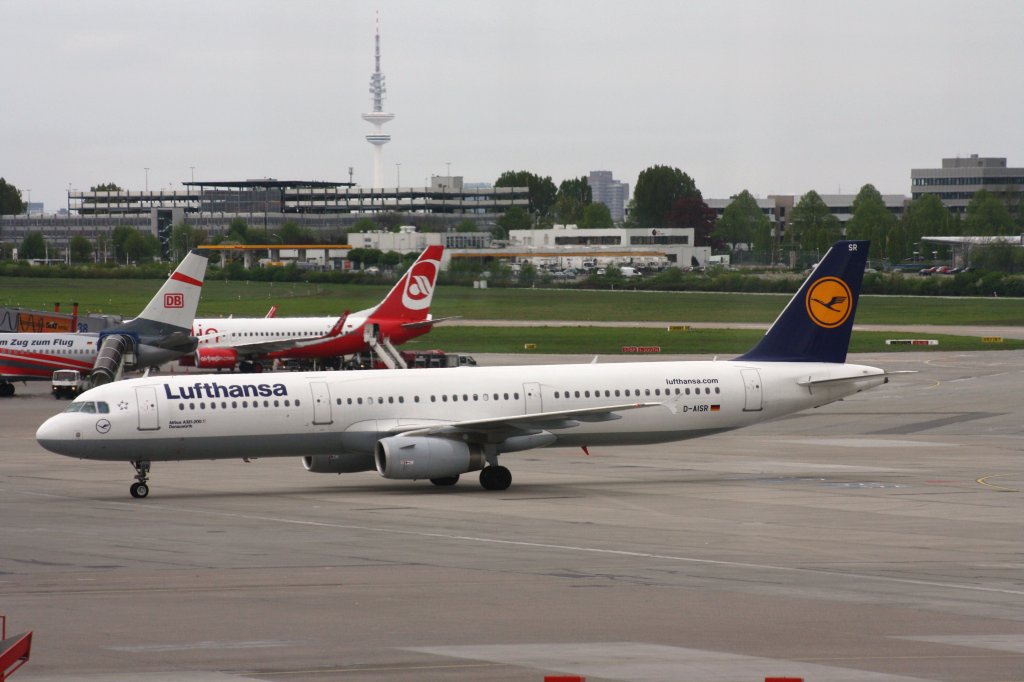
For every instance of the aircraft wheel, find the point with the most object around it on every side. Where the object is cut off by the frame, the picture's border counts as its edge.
(245, 367)
(445, 481)
(257, 367)
(495, 478)
(139, 490)
(6, 390)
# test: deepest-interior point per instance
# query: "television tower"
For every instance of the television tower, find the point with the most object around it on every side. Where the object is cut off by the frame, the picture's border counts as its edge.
(378, 117)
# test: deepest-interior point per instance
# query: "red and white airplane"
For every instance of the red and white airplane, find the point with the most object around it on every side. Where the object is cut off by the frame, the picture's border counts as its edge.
(159, 334)
(251, 342)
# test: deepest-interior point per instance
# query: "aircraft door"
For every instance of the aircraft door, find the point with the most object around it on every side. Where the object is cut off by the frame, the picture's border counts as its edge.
(321, 403)
(751, 390)
(149, 416)
(533, 402)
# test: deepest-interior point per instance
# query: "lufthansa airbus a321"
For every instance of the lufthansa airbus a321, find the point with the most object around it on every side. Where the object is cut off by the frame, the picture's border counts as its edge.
(439, 424)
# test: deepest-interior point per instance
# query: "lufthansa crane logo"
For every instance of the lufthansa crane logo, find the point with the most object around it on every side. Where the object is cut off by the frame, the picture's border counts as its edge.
(829, 302)
(419, 286)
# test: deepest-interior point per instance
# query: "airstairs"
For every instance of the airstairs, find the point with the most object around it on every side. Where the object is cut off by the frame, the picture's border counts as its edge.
(382, 348)
(14, 651)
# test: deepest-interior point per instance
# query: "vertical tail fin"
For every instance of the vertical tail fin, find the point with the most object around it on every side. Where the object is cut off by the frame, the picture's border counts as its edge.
(174, 307)
(410, 298)
(815, 325)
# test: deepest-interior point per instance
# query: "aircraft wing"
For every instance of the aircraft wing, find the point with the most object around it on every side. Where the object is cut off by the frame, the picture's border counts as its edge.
(274, 345)
(430, 322)
(496, 429)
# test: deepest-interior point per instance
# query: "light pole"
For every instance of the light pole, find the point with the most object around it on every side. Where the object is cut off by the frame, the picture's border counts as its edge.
(147, 178)
(28, 205)
(193, 169)
(398, 175)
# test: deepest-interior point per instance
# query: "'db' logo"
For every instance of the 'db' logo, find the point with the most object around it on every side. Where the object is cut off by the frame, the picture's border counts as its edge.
(419, 285)
(829, 302)
(174, 300)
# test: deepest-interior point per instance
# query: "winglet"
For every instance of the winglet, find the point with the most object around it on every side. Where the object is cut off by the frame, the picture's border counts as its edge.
(816, 324)
(338, 327)
(272, 312)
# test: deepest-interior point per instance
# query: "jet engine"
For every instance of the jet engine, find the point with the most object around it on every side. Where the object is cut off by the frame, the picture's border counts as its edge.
(213, 358)
(426, 457)
(337, 464)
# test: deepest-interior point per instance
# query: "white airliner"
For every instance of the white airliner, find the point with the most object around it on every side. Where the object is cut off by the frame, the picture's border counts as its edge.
(437, 424)
(159, 334)
(246, 342)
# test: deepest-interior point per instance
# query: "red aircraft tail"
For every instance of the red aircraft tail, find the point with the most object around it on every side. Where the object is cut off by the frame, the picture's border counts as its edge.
(410, 298)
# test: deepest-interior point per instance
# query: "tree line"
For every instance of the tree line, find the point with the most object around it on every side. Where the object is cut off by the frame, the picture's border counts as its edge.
(663, 196)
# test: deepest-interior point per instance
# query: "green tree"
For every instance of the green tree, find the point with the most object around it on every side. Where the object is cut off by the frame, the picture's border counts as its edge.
(515, 218)
(118, 238)
(391, 259)
(527, 274)
(238, 231)
(597, 215)
(184, 238)
(871, 220)
(106, 187)
(924, 216)
(293, 233)
(742, 222)
(357, 257)
(466, 226)
(657, 190)
(987, 215)
(364, 225)
(80, 249)
(373, 257)
(542, 191)
(812, 227)
(140, 247)
(33, 246)
(573, 197)
(10, 199)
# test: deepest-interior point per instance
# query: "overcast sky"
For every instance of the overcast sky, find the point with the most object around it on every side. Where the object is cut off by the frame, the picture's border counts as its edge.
(769, 96)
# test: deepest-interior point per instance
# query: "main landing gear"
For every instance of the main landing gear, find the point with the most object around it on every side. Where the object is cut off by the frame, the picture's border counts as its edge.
(6, 389)
(141, 487)
(495, 477)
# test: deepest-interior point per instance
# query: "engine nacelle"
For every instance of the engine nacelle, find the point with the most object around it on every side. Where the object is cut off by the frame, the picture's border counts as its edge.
(338, 464)
(425, 457)
(214, 358)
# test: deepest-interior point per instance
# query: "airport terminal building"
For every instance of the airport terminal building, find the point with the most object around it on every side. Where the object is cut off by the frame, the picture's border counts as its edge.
(323, 207)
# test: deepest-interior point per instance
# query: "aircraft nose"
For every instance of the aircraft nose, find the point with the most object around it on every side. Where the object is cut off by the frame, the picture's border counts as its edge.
(54, 435)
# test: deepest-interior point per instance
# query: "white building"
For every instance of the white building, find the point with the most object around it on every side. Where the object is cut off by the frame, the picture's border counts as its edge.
(643, 246)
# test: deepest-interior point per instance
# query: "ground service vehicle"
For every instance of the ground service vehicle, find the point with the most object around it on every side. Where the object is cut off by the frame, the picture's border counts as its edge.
(67, 383)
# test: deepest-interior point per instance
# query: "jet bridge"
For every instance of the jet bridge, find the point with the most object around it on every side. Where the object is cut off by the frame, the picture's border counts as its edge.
(117, 352)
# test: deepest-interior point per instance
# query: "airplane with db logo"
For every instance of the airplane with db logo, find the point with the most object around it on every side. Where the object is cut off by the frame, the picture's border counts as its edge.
(159, 334)
(249, 342)
(439, 424)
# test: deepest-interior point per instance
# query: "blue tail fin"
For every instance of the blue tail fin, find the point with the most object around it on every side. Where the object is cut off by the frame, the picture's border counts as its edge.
(815, 325)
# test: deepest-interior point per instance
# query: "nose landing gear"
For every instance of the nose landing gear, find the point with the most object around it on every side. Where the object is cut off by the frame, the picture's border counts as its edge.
(140, 489)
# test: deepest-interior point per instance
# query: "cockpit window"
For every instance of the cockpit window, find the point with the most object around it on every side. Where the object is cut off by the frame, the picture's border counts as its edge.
(87, 406)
